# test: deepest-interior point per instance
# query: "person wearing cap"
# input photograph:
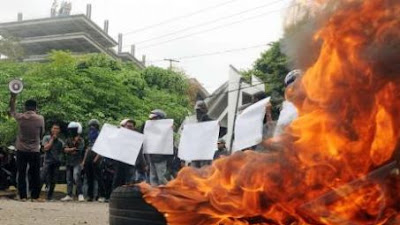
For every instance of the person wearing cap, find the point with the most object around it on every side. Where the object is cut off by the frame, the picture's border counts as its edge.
(221, 151)
(202, 112)
(30, 131)
(158, 163)
(74, 149)
(289, 110)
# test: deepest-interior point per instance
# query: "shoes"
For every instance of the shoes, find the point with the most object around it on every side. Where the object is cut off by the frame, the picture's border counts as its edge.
(81, 198)
(37, 200)
(66, 198)
(101, 199)
(23, 199)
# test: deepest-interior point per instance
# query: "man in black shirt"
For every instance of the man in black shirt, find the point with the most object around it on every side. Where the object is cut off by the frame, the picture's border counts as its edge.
(221, 151)
(74, 149)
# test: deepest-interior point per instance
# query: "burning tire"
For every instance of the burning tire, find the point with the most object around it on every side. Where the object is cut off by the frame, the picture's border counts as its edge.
(127, 207)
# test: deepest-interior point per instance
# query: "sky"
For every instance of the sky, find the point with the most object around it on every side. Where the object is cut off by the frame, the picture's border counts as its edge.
(238, 30)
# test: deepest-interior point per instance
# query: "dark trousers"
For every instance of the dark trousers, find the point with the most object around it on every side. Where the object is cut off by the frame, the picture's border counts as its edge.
(108, 180)
(121, 174)
(49, 177)
(201, 163)
(108, 176)
(33, 159)
(93, 172)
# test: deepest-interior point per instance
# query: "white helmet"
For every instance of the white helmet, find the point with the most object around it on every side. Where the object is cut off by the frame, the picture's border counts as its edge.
(75, 125)
(292, 76)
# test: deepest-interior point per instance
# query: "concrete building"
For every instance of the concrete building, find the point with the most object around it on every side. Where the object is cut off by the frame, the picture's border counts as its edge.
(75, 33)
(201, 92)
(226, 101)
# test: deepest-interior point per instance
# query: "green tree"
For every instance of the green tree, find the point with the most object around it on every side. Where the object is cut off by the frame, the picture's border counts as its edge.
(165, 79)
(70, 88)
(272, 68)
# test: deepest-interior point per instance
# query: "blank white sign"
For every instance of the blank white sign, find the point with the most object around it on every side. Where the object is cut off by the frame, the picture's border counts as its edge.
(119, 144)
(249, 126)
(199, 141)
(158, 137)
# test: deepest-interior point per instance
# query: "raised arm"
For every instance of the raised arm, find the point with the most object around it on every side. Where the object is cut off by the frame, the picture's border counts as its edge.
(47, 143)
(13, 99)
(268, 112)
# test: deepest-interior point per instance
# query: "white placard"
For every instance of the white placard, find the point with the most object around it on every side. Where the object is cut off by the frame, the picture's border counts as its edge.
(286, 116)
(119, 144)
(158, 137)
(199, 141)
(249, 126)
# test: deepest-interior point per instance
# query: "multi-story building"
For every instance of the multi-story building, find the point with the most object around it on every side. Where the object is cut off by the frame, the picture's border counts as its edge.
(75, 33)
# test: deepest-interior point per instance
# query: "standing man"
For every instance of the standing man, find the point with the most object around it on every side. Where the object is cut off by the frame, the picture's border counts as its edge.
(53, 147)
(158, 163)
(202, 112)
(30, 130)
(221, 151)
(123, 172)
(92, 163)
(289, 110)
(268, 123)
(74, 150)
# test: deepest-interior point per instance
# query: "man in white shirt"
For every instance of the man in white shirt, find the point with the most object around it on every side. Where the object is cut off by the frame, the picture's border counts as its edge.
(289, 111)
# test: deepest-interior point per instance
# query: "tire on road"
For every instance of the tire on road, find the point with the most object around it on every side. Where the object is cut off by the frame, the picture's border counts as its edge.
(127, 207)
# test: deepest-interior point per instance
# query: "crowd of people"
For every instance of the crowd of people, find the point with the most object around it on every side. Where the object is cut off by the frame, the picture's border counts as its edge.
(89, 176)
(85, 170)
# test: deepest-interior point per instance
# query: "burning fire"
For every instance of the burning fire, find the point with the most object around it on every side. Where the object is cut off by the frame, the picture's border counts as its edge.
(334, 165)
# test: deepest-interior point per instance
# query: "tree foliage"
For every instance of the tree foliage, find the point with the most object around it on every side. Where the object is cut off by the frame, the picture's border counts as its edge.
(165, 80)
(271, 68)
(70, 88)
(10, 47)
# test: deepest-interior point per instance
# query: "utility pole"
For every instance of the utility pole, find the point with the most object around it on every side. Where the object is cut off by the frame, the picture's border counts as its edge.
(170, 62)
(236, 111)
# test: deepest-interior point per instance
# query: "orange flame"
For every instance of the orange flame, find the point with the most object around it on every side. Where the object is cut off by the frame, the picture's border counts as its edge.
(348, 126)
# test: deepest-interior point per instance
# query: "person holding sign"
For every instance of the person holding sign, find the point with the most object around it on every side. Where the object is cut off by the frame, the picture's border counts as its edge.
(198, 141)
(125, 173)
(258, 113)
(123, 145)
(202, 116)
(289, 110)
(92, 164)
(121, 174)
(158, 162)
